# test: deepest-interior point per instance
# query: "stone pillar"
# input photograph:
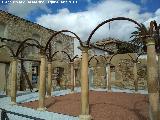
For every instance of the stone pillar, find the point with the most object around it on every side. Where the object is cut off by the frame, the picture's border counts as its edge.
(152, 79)
(159, 75)
(84, 86)
(72, 75)
(42, 83)
(109, 77)
(105, 76)
(135, 76)
(94, 77)
(8, 91)
(49, 89)
(14, 81)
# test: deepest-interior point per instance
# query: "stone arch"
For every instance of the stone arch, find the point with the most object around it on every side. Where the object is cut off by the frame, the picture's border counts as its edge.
(110, 20)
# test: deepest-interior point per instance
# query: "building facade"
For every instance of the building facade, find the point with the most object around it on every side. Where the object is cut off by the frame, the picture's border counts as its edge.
(15, 29)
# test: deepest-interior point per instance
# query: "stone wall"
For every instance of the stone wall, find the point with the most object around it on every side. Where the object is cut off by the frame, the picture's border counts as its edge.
(121, 71)
(16, 28)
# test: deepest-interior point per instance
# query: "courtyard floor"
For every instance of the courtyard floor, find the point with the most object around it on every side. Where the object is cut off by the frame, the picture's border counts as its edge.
(103, 105)
(120, 104)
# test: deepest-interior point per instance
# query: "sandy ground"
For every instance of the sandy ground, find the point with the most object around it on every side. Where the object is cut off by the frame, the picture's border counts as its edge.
(103, 105)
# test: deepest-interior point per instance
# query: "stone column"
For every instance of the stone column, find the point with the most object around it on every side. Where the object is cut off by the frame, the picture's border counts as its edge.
(84, 86)
(109, 77)
(8, 91)
(14, 81)
(72, 75)
(105, 76)
(49, 89)
(152, 79)
(159, 74)
(42, 83)
(135, 76)
(94, 77)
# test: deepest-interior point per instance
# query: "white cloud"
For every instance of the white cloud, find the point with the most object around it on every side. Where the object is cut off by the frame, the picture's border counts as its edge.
(82, 23)
(23, 9)
(155, 16)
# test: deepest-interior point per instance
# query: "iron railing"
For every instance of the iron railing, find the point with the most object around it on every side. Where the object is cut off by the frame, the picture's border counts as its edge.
(4, 115)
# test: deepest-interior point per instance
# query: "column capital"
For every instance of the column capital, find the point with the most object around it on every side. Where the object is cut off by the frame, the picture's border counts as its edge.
(15, 59)
(135, 61)
(108, 64)
(150, 41)
(49, 62)
(84, 48)
(72, 62)
(42, 52)
(43, 56)
(49, 59)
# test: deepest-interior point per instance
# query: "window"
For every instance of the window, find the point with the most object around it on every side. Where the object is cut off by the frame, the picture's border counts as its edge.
(2, 30)
(38, 38)
(34, 74)
(59, 47)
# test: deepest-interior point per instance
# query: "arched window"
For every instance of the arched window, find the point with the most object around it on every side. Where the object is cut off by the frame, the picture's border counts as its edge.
(59, 47)
(38, 38)
(33, 51)
(2, 30)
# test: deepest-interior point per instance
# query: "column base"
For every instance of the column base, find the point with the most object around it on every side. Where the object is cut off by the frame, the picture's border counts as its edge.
(136, 92)
(85, 117)
(13, 103)
(42, 109)
(48, 96)
(109, 90)
(72, 92)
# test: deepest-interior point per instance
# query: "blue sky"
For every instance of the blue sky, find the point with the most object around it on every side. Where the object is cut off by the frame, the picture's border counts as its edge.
(81, 5)
(148, 5)
(82, 17)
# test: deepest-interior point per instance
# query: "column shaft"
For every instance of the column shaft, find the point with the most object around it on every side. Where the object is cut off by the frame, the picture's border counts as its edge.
(84, 84)
(49, 79)
(14, 81)
(135, 76)
(109, 77)
(152, 79)
(72, 75)
(159, 76)
(42, 84)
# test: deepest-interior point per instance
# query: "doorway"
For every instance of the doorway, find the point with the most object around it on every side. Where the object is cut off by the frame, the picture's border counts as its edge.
(59, 71)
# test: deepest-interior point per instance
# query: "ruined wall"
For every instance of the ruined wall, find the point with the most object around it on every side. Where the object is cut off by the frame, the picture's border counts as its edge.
(124, 71)
(121, 71)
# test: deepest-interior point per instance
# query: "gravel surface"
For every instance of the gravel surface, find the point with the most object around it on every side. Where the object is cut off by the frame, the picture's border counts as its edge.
(5, 104)
(27, 96)
(103, 105)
